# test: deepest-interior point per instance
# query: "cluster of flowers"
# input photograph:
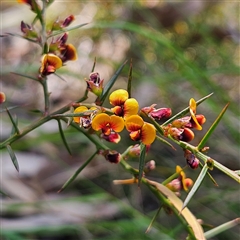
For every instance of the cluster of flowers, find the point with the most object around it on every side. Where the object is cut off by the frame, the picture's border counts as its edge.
(57, 52)
(125, 113)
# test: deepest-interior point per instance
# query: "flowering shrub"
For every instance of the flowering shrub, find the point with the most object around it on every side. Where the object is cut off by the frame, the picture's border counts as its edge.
(143, 125)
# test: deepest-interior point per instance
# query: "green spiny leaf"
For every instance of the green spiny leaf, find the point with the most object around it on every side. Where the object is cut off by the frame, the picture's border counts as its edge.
(60, 77)
(141, 162)
(20, 36)
(66, 30)
(153, 220)
(195, 186)
(94, 64)
(212, 128)
(9, 108)
(14, 122)
(13, 157)
(222, 228)
(15, 119)
(109, 85)
(26, 76)
(36, 111)
(3, 193)
(129, 86)
(81, 114)
(63, 137)
(73, 177)
(165, 142)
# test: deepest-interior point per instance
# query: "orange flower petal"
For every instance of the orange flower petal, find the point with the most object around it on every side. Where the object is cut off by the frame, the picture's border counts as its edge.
(148, 133)
(79, 110)
(116, 123)
(130, 107)
(118, 97)
(193, 110)
(198, 126)
(100, 121)
(134, 123)
(135, 135)
(43, 63)
(193, 105)
(54, 60)
(178, 169)
(50, 63)
(182, 177)
(70, 53)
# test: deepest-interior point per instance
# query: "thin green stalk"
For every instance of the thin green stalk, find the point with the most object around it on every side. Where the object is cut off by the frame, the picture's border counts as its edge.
(46, 96)
(219, 166)
(205, 158)
(47, 118)
(73, 177)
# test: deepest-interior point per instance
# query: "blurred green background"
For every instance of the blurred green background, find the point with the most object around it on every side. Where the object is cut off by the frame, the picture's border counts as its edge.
(179, 50)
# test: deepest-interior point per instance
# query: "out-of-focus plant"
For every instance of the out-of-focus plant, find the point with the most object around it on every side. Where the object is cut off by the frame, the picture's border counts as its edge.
(99, 123)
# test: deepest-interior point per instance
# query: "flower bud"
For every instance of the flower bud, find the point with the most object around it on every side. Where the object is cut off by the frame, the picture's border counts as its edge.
(28, 31)
(2, 97)
(149, 166)
(112, 156)
(149, 109)
(134, 151)
(157, 114)
(62, 39)
(192, 161)
(187, 135)
(175, 185)
(188, 182)
(94, 84)
(160, 113)
(67, 21)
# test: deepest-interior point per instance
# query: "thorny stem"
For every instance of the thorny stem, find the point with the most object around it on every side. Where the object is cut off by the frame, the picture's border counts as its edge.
(47, 118)
(205, 158)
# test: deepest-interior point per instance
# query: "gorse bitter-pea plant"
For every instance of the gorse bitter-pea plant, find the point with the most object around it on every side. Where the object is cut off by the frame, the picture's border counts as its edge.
(100, 124)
